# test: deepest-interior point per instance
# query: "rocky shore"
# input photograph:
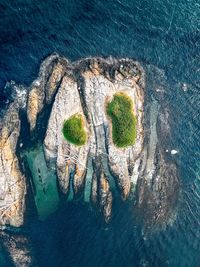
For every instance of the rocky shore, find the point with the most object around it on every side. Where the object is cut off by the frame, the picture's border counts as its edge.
(63, 89)
(12, 182)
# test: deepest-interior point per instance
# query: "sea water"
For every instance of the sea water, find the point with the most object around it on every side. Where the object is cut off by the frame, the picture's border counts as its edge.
(163, 34)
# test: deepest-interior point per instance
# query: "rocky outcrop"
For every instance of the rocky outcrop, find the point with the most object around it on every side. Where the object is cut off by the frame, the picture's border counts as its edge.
(86, 90)
(85, 87)
(69, 158)
(12, 182)
(101, 81)
(43, 89)
(101, 194)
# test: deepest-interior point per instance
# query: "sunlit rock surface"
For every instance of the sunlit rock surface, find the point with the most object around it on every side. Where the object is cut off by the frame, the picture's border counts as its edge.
(69, 158)
(44, 88)
(12, 180)
(86, 90)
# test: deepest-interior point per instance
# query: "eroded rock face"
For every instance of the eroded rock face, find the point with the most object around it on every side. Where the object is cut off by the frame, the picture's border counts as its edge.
(12, 181)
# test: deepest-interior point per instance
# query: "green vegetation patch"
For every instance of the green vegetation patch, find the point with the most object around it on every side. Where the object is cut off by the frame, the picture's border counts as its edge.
(124, 123)
(73, 130)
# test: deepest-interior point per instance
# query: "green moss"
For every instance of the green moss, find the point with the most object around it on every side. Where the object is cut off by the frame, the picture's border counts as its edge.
(73, 130)
(120, 110)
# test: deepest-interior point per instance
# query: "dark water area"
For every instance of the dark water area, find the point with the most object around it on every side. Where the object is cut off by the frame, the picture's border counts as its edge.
(165, 34)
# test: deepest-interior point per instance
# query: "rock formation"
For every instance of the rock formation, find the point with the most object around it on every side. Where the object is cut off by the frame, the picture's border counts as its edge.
(85, 87)
(86, 90)
(44, 88)
(12, 182)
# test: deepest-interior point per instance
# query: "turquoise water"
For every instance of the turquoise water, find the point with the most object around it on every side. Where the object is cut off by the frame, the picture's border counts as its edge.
(43, 183)
(163, 34)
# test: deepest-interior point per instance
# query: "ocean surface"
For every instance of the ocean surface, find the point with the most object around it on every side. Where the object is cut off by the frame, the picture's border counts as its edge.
(164, 34)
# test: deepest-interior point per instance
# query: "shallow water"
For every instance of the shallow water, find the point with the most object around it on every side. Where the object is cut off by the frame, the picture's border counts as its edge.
(43, 183)
(165, 34)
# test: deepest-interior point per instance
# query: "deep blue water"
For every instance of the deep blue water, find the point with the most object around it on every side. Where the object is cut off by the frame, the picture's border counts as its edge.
(162, 33)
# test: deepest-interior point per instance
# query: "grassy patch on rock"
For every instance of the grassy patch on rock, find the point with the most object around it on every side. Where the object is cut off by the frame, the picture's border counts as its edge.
(73, 130)
(124, 123)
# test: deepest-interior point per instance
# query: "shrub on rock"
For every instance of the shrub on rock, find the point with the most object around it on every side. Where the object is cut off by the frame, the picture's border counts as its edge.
(120, 110)
(73, 130)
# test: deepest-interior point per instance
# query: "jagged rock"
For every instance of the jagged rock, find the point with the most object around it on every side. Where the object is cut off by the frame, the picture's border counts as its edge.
(35, 100)
(12, 182)
(44, 87)
(101, 194)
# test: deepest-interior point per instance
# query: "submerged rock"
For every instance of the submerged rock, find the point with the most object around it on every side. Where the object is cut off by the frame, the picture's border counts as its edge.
(158, 183)
(18, 248)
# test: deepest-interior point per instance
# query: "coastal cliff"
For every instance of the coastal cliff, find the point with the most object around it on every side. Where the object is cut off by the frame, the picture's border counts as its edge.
(98, 171)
